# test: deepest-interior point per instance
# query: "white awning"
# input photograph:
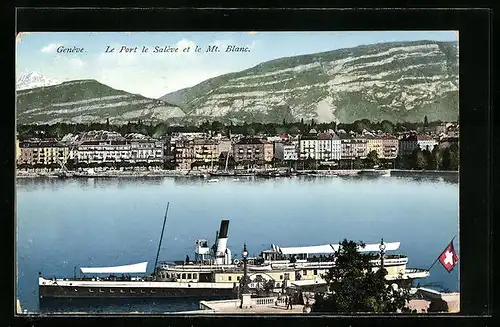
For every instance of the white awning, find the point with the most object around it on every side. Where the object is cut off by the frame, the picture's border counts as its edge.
(135, 268)
(332, 248)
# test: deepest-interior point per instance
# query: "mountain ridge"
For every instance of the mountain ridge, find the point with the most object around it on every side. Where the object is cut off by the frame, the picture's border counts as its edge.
(395, 81)
(87, 101)
(337, 102)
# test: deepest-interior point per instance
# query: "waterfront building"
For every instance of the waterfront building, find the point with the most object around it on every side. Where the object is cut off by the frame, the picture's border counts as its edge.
(353, 147)
(390, 145)
(407, 143)
(315, 145)
(43, 152)
(425, 142)
(184, 154)
(102, 151)
(169, 149)
(224, 146)
(249, 151)
(206, 152)
(198, 153)
(268, 151)
(146, 150)
(375, 143)
(18, 150)
(285, 151)
(336, 147)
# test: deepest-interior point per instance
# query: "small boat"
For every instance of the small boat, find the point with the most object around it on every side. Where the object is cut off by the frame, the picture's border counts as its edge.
(213, 180)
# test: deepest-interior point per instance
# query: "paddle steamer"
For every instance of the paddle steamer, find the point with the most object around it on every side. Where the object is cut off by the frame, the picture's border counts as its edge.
(214, 272)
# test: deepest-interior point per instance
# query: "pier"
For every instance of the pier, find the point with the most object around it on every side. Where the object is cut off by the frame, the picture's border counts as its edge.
(273, 305)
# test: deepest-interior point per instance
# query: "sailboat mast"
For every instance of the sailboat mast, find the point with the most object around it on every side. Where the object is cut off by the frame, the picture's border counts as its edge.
(161, 237)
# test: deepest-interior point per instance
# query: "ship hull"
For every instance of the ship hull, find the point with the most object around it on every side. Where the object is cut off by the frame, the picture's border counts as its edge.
(131, 292)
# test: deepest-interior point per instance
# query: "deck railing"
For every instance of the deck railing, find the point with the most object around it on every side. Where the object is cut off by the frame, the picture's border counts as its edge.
(255, 302)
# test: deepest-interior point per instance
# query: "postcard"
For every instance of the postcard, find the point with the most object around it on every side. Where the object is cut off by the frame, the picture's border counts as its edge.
(204, 173)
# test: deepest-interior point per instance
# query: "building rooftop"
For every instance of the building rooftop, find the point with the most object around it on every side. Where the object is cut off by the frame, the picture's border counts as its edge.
(423, 137)
(250, 140)
(41, 144)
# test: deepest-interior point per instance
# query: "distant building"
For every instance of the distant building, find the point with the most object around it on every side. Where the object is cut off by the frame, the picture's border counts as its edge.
(353, 147)
(184, 154)
(316, 146)
(407, 143)
(425, 142)
(225, 146)
(102, 151)
(249, 150)
(390, 146)
(146, 150)
(336, 147)
(206, 153)
(268, 151)
(198, 153)
(285, 151)
(18, 150)
(43, 153)
(375, 143)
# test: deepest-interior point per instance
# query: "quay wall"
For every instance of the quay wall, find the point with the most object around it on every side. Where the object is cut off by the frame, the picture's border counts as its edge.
(423, 173)
(176, 173)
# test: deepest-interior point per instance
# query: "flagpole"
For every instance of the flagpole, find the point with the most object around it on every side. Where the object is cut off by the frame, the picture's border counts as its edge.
(440, 254)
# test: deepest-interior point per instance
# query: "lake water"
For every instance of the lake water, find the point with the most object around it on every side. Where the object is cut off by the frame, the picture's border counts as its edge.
(106, 222)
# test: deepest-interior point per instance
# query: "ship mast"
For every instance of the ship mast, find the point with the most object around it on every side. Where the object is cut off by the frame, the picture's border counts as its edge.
(161, 237)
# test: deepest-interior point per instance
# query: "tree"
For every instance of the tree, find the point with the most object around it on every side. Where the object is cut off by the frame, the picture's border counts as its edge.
(438, 305)
(421, 162)
(372, 159)
(356, 287)
(454, 157)
(429, 159)
(437, 158)
(358, 163)
(387, 127)
(446, 161)
(294, 130)
(250, 131)
(426, 122)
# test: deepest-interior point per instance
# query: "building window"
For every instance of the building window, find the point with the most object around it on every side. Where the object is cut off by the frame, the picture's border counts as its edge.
(238, 278)
(189, 276)
(195, 276)
(304, 272)
(229, 278)
(281, 276)
(315, 272)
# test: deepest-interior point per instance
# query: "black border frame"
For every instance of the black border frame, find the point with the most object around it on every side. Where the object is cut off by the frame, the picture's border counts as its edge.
(476, 202)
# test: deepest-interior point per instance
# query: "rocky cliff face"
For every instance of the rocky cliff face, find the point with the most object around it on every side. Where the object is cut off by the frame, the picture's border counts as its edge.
(86, 101)
(394, 81)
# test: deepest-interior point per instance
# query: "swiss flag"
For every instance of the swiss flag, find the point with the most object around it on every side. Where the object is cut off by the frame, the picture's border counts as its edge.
(449, 257)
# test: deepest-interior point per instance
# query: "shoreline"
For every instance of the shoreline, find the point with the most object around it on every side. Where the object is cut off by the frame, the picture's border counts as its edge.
(199, 174)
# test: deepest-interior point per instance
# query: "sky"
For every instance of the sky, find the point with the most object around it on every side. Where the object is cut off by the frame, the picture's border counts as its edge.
(156, 74)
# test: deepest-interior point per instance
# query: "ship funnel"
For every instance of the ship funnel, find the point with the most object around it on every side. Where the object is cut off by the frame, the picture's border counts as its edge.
(220, 253)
